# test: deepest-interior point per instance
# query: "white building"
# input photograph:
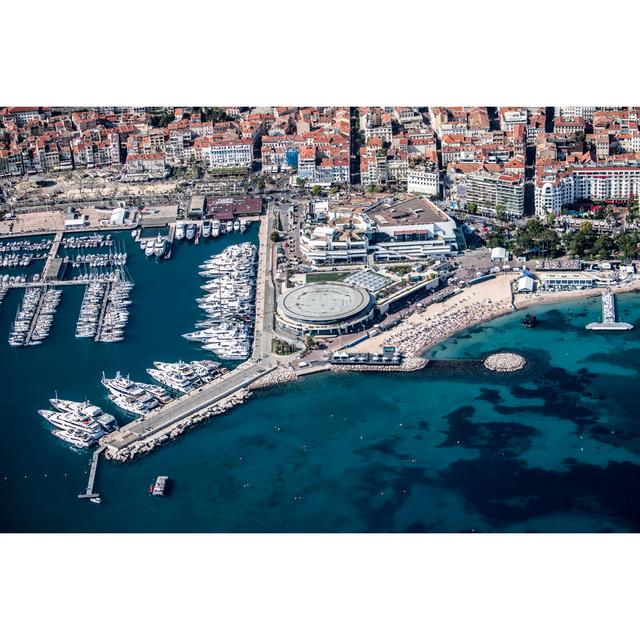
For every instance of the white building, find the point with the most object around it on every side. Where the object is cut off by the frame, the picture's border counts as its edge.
(422, 180)
(556, 189)
(228, 153)
(389, 229)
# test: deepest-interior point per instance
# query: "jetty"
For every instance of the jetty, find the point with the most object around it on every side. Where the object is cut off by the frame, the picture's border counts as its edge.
(34, 320)
(90, 492)
(609, 321)
(155, 427)
(103, 310)
(53, 263)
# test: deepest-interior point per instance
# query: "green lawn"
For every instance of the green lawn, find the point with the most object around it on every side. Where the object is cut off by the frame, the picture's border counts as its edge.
(327, 276)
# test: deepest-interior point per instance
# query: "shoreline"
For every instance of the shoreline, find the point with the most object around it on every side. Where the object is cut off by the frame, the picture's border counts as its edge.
(424, 330)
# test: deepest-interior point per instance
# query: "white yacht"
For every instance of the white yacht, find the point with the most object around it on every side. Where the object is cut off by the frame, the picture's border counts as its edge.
(129, 404)
(206, 228)
(159, 246)
(149, 249)
(77, 439)
(180, 231)
(236, 225)
(106, 421)
(229, 226)
(215, 228)
(74, 421)
(191, 231)
(174, 381)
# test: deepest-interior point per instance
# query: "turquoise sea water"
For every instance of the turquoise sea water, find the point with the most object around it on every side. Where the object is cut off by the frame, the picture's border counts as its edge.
(555, 447)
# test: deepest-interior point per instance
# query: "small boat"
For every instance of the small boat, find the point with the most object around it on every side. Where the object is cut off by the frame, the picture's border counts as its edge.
(206, 228)
(180, 231)
(215, 228)
(529, 321)
(236, 225)
(158, 488)
(191, 231)
(229, 226)
(96, 500)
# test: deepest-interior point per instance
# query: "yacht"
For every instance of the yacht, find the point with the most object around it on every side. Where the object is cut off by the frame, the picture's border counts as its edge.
(191, 231)
(173, 380)
(243, 226)
(180, 231)
(236, 225)
(159, 247)
(74, 438)
(215, 228)
(158, 488)
(149, 249)
(134, 397)
(129, 404)
(206, 228)
(156, 391)
(106, 421)
(229, 226)
(70, 420)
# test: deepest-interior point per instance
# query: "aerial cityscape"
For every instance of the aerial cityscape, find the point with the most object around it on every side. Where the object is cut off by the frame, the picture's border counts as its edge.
(319, 319)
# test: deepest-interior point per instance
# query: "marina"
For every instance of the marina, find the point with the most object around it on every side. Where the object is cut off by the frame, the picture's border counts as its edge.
(229, 303)
(34, 317)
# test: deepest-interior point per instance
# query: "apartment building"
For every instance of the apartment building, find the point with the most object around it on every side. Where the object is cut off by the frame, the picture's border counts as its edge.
(492, 193)
(423, 179)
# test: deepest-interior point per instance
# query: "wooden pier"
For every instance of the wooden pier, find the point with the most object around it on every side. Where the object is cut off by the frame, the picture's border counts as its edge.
(90, 492)
(103, 310)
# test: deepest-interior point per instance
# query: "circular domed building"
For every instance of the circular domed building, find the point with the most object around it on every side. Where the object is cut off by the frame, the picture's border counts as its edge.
(325, 308)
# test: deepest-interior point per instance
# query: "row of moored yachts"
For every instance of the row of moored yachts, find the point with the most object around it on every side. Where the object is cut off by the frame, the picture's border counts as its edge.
(20, 259)
(213, 228)
(103, 313)
(87, 242)
(229, 302)
(26, 245)
(34, 316)
(83, 424)
(97, 259)
(7, 279)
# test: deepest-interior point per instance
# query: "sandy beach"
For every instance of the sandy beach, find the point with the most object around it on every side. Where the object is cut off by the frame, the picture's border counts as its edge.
(424, 329)
(479, 303)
